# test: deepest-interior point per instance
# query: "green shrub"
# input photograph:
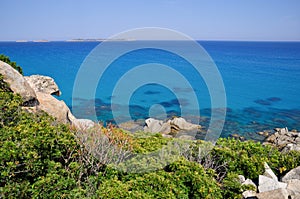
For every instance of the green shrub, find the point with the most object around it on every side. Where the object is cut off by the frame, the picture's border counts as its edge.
(247, 158)
(13, 64)
(9, 106)
(181, 179)
(32, 147)
(147, 142)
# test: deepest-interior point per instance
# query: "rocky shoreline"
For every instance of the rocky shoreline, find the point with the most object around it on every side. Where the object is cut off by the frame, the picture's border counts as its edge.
(37, 90)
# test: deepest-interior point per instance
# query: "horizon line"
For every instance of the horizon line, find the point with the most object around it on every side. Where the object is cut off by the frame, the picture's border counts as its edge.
(102, 39)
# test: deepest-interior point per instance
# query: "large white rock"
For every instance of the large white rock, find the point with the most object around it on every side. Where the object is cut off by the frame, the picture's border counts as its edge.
(293, 187)
(176, 124)
(274, 194)
(269, 173)
(54, 107)
(268, 184)
(182, 124)
(18, 84)
(292, 174)
(156, 126)
(82, 124)
(43, 84)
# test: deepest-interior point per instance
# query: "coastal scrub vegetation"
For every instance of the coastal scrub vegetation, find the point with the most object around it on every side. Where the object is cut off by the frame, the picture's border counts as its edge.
(41, 158)
(6, 59)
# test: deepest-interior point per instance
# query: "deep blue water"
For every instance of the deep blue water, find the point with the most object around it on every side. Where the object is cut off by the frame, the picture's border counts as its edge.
(261, 79)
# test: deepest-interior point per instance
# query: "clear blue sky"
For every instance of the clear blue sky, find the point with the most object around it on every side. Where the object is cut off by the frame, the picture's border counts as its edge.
(200, 19)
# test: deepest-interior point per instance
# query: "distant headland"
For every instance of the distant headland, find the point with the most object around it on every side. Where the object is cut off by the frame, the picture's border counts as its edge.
(74, 40)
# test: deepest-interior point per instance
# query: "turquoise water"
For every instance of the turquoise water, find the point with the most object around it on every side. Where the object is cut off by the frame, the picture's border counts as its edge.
(262, 81)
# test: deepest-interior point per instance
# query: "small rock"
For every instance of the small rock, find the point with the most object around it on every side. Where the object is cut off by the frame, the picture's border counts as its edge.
(277, 129)
(271, 138)
(266, 133)
(241, 178)
(283, 131)
(249, 194)
(234, 135)
(291, 147)
(263, 133)
(260, 133)
(294, 134)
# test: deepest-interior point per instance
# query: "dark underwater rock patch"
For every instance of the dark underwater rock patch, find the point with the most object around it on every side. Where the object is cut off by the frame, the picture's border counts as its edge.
(263, 102)
(274, 99)
(151, 92)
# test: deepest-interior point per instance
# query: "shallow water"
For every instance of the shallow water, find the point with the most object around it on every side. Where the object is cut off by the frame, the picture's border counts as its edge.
(261, 81)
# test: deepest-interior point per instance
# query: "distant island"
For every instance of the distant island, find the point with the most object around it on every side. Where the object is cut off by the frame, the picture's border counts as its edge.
(74, 40)
(93, 40)
(40, 40)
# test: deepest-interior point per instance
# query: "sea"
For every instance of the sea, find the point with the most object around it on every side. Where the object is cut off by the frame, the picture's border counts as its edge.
(260, 81)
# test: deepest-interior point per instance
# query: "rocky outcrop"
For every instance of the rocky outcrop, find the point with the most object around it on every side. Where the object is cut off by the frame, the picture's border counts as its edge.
(174, 125)
(18, 84)
(59, 110)
(179, 123)
(54, 107)
(36, 92)
(284, 140)
(270, 187)
(157, 126)
(43, 84)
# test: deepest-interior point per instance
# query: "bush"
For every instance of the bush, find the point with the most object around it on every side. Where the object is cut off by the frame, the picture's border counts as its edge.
(247, 158)
(181, 179)
(33, 146)
(13, 64)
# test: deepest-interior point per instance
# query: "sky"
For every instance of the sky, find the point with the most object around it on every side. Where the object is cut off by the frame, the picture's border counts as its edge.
(248, 20)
